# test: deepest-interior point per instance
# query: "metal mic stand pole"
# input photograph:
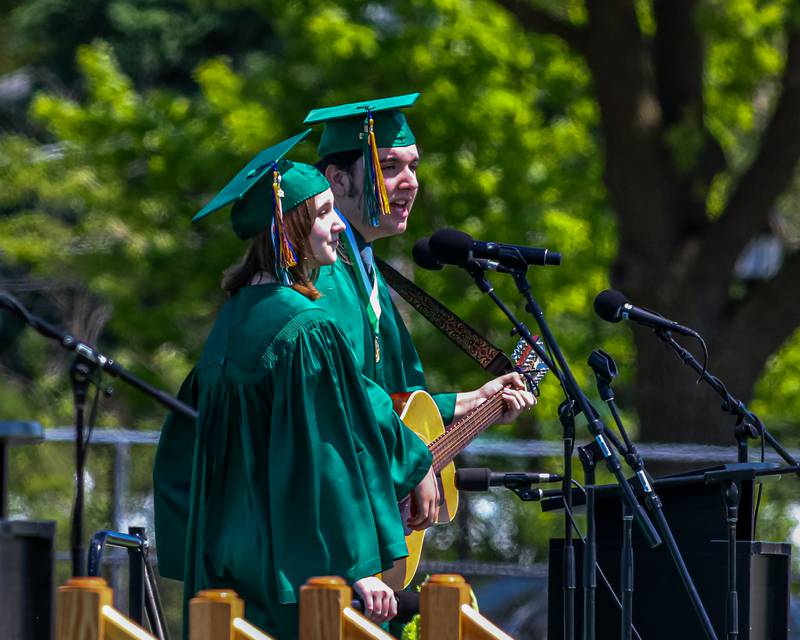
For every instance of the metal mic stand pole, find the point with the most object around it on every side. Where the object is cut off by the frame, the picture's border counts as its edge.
(588, 456)
(597, 428)
(603, 364)
(605, 370)
(573, 391)
(751, 424)
(80, 375)
(566, 414)
(87, 362)
(567, 417)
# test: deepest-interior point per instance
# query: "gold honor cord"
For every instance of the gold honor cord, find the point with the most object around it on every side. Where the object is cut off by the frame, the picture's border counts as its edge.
(474, 344)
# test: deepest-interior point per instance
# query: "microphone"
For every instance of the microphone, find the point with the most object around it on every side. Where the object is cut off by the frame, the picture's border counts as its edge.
(421, 253)
(612, 306)
(450, 246)
(480, 479)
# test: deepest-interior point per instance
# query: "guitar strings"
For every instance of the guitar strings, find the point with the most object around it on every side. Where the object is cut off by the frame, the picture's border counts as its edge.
(455, 433)
(450, 443)
(444, 449)
(467, 427)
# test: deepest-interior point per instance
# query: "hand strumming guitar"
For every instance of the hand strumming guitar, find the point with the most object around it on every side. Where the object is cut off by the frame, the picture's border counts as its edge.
(424, 502)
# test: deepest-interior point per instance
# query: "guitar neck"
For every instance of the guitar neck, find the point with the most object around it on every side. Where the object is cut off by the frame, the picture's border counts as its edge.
(453, 441)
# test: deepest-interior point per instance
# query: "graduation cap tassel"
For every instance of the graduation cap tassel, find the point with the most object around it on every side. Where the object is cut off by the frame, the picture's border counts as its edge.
(284, 253)
(374, 187)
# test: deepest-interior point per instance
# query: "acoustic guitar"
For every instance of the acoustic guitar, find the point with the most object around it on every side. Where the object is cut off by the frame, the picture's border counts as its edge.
(419, 412)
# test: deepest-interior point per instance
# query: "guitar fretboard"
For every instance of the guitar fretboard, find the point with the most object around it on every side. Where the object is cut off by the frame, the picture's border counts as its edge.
(453, 441)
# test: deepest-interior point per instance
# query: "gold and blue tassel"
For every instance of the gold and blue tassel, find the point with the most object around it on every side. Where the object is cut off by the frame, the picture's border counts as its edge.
(285, 256)
(375, 196)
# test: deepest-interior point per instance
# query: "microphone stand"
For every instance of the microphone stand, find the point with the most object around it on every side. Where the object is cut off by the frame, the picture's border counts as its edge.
(567, 417)
(596, 426)
(748, 425)
(526, 493)
(85, 370)
(588, 456)
(605, 370)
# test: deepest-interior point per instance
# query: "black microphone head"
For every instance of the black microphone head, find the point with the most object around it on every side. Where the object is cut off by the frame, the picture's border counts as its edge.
(421, 252)
(608, 303)
(472, 479)
(553, 258)
(451, 246)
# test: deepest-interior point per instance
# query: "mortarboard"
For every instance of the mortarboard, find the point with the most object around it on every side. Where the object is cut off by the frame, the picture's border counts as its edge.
(366, 126)
(260, 192)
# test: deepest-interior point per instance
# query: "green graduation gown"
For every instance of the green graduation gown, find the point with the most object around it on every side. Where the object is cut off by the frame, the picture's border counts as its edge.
(399, 368)
(288, 472)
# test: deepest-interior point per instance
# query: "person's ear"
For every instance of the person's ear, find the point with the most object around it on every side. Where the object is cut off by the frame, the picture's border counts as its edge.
(339, 180)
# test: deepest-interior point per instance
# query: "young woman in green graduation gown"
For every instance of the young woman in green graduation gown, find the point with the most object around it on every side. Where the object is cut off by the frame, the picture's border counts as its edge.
(291, 474)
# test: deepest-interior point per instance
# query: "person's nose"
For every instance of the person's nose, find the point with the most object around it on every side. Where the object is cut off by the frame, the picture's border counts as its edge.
(338, 224)
(408, 179)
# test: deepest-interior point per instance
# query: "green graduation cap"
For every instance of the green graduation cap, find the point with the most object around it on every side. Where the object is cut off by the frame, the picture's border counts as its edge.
(261, 191)
(366, 127)
(345, 125)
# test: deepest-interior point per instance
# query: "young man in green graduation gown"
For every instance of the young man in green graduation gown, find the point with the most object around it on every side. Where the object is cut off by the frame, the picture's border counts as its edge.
(360, 143)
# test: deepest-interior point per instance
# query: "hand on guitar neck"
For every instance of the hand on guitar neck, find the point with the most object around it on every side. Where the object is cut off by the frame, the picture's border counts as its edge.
(515, 394)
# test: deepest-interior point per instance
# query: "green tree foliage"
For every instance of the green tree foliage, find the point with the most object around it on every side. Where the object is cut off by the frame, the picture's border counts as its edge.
(540, 123)
(505, 128)
(697, 154)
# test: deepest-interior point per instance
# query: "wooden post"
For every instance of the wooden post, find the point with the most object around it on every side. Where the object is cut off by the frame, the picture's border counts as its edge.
(325, 613)
(79, 605)
(322, 604)
(212, 612)
(218, 614)
(85, 613)
(440, 607)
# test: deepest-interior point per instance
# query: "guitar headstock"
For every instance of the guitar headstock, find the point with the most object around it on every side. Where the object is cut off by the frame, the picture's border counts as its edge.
(530, 365)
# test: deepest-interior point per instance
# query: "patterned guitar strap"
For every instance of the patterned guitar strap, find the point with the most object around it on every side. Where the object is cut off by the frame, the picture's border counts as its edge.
(474, 344)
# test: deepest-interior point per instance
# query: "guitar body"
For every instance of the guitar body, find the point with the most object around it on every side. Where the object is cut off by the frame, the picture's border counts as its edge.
(418, 412)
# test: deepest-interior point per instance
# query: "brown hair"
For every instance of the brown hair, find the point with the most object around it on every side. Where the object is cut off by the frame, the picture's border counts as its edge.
(260, 255)
(345, 161)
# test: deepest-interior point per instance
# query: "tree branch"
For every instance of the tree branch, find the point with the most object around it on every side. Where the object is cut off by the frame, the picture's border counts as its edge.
(769, 175)
(678, 59)
(539, 21)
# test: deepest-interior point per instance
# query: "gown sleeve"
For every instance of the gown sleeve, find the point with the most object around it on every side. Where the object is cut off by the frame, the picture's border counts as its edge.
(334, 473)
(341, 301)
(172, 479)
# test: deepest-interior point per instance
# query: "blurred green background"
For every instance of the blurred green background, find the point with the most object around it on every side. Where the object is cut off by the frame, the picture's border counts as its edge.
(653, 142)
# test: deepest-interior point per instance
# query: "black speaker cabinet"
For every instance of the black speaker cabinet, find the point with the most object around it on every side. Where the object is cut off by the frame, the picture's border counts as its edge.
(661, 607)
(26, 579)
